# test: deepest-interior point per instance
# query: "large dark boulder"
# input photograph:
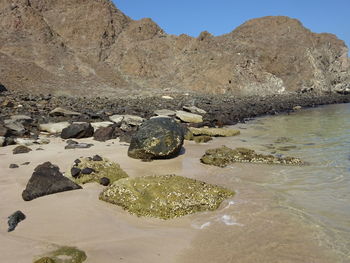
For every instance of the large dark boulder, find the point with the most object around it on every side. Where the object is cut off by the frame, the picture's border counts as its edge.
(157, 138)
(78, 130)
(47, 179)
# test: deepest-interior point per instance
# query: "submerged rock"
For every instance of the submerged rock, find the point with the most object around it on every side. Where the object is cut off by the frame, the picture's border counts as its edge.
(164, 197)
(14, 219)
(224, 156)
(47, 179)
(157, 138)
(63, 255)
(214, 132)
(97, 170)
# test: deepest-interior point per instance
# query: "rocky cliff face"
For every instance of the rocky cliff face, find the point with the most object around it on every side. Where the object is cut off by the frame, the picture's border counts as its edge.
(89, 46)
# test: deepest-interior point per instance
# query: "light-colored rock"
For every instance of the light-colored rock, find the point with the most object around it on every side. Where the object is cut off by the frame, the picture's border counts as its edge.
(297, 107)
(14, 126)
(194, 109)
(2, 140)
(164, 112)
(116, 118)
(24, 141)
(21, 118)
(101, 124)
(214, 132)
(167, 97)
(63, 112)
(133, 120)
(54, 127)
(189, 117)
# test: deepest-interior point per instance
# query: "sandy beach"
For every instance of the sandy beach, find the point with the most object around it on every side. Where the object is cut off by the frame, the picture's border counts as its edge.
(247, 227)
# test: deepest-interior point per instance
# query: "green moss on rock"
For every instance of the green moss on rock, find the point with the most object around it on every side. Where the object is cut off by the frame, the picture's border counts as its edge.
(64, 255)
(224, 156)
(164, 197)
(214, 132)
(104, 168)
(202, 138)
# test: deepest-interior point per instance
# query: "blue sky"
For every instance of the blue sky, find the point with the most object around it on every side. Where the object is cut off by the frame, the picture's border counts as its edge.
(222, 16)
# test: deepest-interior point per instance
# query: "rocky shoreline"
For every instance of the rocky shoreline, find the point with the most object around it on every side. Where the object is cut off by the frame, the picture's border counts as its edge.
(220, 109)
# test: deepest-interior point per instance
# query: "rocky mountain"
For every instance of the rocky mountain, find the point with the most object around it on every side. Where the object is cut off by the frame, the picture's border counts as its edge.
(88, 46)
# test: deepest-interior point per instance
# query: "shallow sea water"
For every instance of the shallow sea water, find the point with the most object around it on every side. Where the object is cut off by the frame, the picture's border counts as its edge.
(283, 213)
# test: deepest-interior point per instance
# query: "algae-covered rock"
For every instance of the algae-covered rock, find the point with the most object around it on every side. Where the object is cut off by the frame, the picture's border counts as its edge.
(63, 255)
(100, 169)
(202, 138)
(224, 156)
(214, 132)
(164, 197)
(156, 139)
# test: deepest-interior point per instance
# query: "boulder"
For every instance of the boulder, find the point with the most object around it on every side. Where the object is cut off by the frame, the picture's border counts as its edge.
(47, 179)
(194, 109)
(133, 120)
(63, 112)
(21, 149)
(4, 132)
(224, 156)
(53, 127)
(77, 130)
(98, 168)
(24, 119)
(214, 132)
(14, 219)
(157, 138)
(189, 117)
(105, 133)
(164, 197)
(15, 128)
(116, 118)
(2, 141)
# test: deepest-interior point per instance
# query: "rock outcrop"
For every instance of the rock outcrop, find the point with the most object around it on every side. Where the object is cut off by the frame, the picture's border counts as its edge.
(85, 47)
(165, 196)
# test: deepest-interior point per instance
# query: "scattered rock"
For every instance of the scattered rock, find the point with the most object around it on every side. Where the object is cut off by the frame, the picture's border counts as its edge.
(63, 112)
(133, 120)
(24, 119)
(75, 172)
(63, 255)
(116, 118)
(224, 156)
(157, 138)
(13, 165)
(25, 163)
(21, 149)
(47, 179)
(76, 145)
(99, 169)
(167, 97)
(194, 109)
(2, 88)
(87, 170)
(3, 131)
(189, 117)
(164, 197)
(104, 181)
(214, 132)
(103, 124)
(14, 219)
(2, 141)
(53, 128)
(25, 141)
(165, 112)
(78, 130)
(16, 128)
(105, 133)
(97, 158)
(297, 108)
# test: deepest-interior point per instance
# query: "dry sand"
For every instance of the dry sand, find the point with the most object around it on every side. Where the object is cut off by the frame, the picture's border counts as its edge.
(250, 227)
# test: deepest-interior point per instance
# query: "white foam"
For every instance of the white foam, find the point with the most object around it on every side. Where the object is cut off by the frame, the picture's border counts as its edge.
(201, 226)
(229, 220)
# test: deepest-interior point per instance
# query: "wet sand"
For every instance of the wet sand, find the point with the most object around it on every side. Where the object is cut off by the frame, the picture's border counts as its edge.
(250, 227)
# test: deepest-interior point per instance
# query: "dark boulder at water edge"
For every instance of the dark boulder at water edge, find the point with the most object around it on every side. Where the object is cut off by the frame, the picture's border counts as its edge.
(47, 179)
(156, 139)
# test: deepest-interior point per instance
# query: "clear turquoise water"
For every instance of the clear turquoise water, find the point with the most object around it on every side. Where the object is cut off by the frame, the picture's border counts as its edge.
(320, 191)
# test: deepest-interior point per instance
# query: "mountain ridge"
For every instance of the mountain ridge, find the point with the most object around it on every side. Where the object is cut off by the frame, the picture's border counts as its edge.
(89, 46)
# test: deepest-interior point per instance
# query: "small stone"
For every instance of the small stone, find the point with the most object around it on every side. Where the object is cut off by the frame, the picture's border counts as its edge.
(21, 149)
(75, 172)
(13, 165)
(97, 158)
(87, 170)
(25, 163)
(63, 112)
(77, 161)
(39, 149)
(14, 219)
(104, 181)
